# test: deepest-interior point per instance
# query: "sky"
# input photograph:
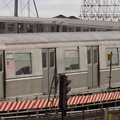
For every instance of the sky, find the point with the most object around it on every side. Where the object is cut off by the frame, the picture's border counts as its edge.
(46, 8)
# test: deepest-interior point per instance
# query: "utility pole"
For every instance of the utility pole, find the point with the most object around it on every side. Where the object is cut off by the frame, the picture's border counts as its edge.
(16, 8)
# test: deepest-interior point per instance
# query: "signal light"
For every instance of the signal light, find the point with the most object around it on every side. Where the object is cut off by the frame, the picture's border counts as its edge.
(64, 90)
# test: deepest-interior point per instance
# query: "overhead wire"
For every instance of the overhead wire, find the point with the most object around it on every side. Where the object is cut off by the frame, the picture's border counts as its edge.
(35, 8)
(28, 8)
(24, 6)
(6, 5)
(21, 7)
(36, 15)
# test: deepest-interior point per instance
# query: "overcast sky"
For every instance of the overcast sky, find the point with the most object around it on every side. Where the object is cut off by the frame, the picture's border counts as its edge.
(46, 8)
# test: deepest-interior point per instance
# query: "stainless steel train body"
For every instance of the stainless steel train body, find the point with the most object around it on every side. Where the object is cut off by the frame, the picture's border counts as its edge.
(29, 62)
(29, 25)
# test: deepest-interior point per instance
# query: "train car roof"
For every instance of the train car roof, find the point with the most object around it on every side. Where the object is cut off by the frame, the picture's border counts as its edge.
(62, 21)
(46, 40)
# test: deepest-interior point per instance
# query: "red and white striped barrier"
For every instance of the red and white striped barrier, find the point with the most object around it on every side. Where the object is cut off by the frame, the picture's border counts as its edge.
(93, 98)
(44, 103)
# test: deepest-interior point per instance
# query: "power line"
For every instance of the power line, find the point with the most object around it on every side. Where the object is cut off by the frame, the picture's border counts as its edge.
(25, 5)
(6, 5)
(28, 8)
(21, 7)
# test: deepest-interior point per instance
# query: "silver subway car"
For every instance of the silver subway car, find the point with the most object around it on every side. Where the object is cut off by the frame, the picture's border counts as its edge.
(29, 62)
(37, 25)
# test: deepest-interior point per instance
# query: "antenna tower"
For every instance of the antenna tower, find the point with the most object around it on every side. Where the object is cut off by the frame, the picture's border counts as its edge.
(107, 10)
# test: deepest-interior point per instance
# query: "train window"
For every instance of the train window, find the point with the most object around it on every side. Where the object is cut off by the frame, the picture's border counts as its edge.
(70, 29)
(44, 58)
(86, 29)
(52, 59)
(93, 29)
(71, 59)
(31, 28)
(115, 57)
(20, 27)
(64, 28)
(89, 56)
(78, 29)
(46, 28)
(23, 63)
(11, 27)
(95, 56)
(40, 28)
(109, 30)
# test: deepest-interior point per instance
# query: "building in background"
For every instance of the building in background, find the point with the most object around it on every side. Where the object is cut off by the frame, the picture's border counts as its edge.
(107, 10)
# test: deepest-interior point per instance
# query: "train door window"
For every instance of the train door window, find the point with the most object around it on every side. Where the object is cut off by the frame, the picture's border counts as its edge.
(23, 63)
(44, 60)
(89, 56)
(52, 59)
(71, 59)
(115, 56)
(95, 56)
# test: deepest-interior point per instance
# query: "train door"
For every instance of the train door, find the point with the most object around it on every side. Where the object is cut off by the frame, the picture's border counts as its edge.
(93, 66)
(48, 62)
(1, 75)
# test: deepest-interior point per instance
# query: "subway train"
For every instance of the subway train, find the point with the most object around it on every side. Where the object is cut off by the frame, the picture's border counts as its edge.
(30, 62)
(36, 25)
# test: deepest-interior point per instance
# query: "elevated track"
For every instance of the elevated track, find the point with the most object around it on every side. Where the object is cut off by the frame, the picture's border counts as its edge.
(83, 106)
(95, 114)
